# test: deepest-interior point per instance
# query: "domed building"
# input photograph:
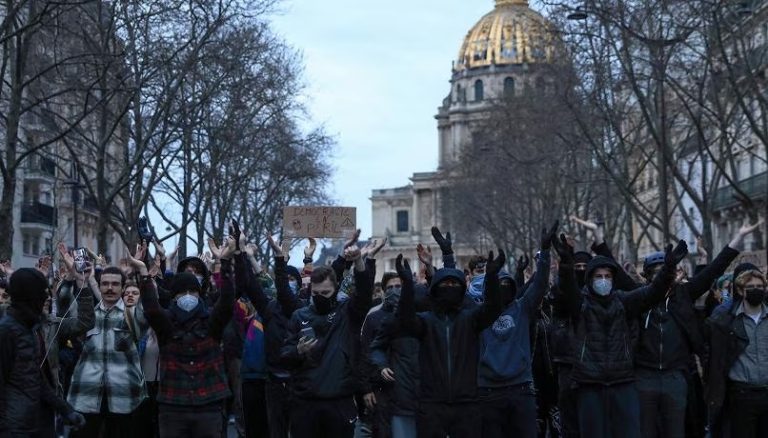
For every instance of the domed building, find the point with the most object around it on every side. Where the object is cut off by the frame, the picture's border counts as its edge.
(503, 55)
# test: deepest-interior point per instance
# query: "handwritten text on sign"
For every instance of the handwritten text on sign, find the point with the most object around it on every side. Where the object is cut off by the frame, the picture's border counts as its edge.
(319, 221)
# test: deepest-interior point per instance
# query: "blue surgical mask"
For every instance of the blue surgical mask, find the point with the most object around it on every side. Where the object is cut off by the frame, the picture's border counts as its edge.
(187, 302)
(602, 286)
(294, 285)
(475, 289)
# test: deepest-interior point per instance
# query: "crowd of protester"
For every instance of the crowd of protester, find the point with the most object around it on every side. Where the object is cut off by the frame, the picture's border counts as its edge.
(569, 344)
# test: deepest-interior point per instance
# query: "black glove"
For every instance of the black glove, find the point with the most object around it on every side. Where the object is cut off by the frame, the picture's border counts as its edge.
(75, 419)
(234, 230)
(674, 256)
(494, 266)
(523, 262)
(445, 244)
(563, 249)
(548, 235)
(404, 271)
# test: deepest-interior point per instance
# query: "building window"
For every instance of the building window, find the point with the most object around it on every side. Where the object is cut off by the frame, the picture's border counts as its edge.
(31, 244)
(402, 221)
(509, 87)
(478, 90)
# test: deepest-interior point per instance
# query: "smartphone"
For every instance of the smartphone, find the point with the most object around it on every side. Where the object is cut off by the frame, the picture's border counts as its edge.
(307, 332)
(81, 259)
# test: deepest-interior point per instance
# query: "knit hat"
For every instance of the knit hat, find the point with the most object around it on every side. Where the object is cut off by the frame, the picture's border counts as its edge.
(27, 285)
(183, 282)
(581, 257)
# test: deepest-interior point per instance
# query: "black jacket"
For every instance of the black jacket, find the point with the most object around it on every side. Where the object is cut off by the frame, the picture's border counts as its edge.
(330, 370)
(670, 332)
(24, 388)
(603, 340)
(449, 344)
(391, 349)
(727, 341)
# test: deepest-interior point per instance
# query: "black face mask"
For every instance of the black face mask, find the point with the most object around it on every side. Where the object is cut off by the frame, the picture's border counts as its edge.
(448, 297)
(508, 293)
(323, 305)
(754, 296)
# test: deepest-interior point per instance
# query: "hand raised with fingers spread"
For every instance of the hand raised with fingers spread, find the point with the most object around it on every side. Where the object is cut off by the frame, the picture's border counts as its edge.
(353, 240)
(547, 236)
(564, 249)
(404, 271)
(215, 249)
(523, 262)
(444, 242)
(425, 254)
(137, 265)
(495, 265)
(377, 246)
(228, 248)
(66, 257)
(277, 248)
(672, 257)
(159, 248)
(309, 250)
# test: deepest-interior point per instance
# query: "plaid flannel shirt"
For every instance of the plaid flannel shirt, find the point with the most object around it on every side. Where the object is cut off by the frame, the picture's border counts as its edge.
(109, 366)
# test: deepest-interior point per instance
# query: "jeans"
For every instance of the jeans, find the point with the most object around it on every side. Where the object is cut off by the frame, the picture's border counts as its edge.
(404, 426)
(663, 403)
(608, 411)
(458, 420)
(509, 411)
(255, 408)
(747, 410)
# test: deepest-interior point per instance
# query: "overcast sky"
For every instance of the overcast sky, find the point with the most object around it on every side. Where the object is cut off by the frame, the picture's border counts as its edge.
(376, 72)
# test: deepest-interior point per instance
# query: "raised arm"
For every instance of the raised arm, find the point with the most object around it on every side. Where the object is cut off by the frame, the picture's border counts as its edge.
(362, 300)
(446, 247)
(406, 316)
(248, 285)
(646, 297)
(492, 306)
(155, 315)
(534, 294)
(568, 300)
(222, 310)
(520, 267)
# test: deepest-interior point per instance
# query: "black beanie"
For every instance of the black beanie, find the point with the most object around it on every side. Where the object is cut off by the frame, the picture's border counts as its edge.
(581, 257)
(27, 285)
(293, 271)
(185, 281)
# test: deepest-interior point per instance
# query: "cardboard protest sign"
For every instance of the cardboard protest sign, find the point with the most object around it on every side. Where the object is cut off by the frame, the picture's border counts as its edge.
(320, 222)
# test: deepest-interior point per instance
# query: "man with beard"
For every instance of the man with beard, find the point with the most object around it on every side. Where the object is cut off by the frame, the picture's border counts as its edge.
(449, 346)
(25, 385)
(322, 352)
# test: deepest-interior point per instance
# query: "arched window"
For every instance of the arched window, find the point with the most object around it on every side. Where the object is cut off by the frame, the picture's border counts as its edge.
(509, 87)
(478, 90)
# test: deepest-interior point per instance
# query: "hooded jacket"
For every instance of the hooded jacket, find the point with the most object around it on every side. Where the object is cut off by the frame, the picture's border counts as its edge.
(602, 336)
(449, 343)
(505, 347)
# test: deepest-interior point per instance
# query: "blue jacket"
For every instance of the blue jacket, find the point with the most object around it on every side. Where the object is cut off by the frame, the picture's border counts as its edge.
(505, 347)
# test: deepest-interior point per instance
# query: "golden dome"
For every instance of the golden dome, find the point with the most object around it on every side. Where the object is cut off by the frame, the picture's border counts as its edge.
(512, 33)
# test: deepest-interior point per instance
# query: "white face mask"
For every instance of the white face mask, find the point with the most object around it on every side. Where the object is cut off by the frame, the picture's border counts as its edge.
(187, 302)
(602, 286)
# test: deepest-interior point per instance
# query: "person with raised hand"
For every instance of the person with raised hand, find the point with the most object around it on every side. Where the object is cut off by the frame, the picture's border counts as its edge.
(322, 352)
(603, 372)
(193, 384)
(505, 377)
(449, 346)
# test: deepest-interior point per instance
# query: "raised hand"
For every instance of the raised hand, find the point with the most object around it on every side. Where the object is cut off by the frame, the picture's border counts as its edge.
(215, 250)
(44, 265)
(66, 257)
(277, 248)
(403, 269)
(237, 234)
(137, 264)
(586, 224)
(548, 235)
(700, 248)
(141, 250)
(366, 251)
(674, 256)
(564, 249)
(353, 253)
(523, 262)
(377, 247)
(309, 250)
(159, 248)
(425, 254)
(227, 248)
(353, 240)
(495, 265)
(444, 242)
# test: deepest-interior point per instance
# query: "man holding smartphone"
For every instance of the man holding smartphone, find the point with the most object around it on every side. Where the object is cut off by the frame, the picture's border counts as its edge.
(322, 352)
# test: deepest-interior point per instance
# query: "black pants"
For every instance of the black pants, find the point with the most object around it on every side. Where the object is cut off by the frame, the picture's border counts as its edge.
(278, 408)
(608, 411)
(115, 425)
(663, 402)
(566, 401)
(509, 411)
(747, 410)
(255, 408)
(190, 422)
(145, 416)
(459, 420)
(319, 418)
